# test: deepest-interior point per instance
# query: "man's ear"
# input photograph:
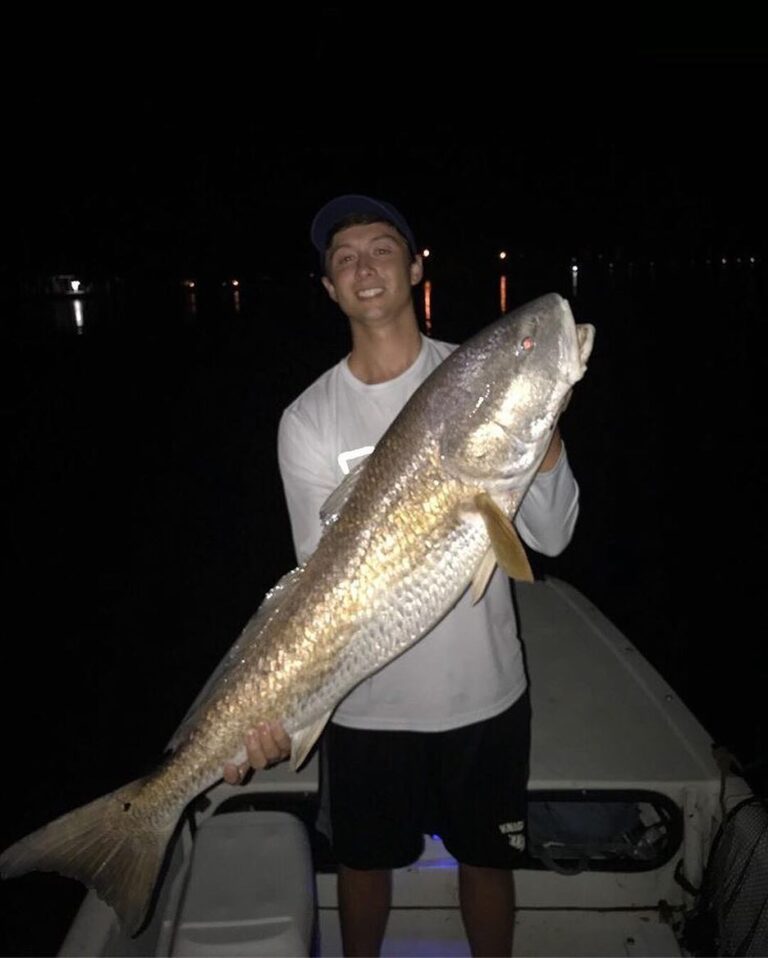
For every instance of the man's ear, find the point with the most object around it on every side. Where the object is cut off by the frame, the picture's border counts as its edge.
(330, 289)
(417, 270)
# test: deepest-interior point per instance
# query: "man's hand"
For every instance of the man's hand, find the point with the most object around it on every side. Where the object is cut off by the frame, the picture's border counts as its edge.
(266, 745)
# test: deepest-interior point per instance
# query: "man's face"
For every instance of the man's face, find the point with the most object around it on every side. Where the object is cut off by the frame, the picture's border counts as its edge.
(370, 272)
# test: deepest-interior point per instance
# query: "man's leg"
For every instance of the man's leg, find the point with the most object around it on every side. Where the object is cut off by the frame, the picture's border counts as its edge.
(364, 900)
(374, 787)
(487, 897)
(484, 808)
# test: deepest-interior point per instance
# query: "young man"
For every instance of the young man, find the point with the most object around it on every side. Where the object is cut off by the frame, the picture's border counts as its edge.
(438, 740)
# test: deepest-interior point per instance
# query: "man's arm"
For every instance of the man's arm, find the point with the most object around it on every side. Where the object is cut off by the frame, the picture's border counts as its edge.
(553, 452)
(308, 479)
(549, 510)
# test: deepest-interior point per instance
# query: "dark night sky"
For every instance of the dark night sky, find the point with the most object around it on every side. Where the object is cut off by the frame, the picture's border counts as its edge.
(209, 165)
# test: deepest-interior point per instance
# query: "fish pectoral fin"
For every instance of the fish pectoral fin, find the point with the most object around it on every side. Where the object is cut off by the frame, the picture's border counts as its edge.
(505, 542)
(483, 575)
(303, 741)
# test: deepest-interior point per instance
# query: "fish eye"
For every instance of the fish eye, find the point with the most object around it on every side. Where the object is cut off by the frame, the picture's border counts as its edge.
(526, 344)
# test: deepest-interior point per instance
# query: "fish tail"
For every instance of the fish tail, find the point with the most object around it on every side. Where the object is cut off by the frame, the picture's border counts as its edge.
(108, 844)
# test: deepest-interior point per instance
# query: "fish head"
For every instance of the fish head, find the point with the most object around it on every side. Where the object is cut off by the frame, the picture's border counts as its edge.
(513, 381)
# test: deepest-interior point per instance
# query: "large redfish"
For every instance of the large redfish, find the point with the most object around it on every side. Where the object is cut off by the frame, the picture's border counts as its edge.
(426, 516)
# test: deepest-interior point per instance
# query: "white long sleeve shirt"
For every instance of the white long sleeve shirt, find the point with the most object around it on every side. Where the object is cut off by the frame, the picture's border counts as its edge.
(469, 667)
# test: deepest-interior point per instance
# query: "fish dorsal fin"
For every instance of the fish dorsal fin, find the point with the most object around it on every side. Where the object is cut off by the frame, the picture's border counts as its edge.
(506, 544)
(269, 606)
(483, 575)
(330, 509)
(303, 741)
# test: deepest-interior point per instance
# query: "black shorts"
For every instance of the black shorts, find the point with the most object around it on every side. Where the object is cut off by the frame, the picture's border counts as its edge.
(467, 785)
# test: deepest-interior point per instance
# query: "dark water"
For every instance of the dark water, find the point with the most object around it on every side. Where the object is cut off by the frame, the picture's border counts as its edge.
(144, 515)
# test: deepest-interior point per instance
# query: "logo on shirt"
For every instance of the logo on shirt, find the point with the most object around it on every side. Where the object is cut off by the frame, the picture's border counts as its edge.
(345, 458)
(514, 833)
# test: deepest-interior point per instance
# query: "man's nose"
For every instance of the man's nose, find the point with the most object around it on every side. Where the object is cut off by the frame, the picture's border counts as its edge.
(364, 264)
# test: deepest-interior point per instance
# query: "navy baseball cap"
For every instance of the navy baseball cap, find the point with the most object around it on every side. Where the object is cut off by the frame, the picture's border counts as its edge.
(343, 206)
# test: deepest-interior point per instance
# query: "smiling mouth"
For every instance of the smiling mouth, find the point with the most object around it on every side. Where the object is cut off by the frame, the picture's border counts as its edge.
(370, 293)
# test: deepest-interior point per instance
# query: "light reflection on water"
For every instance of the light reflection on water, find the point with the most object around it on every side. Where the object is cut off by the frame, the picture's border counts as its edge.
(452, 305)
(70, 315)
(190, 301)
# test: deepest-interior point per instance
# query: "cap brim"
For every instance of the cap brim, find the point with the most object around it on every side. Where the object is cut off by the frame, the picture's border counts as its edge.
(341, 207)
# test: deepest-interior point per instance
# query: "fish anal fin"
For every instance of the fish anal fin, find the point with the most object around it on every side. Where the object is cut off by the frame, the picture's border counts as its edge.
(303, 741)
(506, 544)
(483, 576)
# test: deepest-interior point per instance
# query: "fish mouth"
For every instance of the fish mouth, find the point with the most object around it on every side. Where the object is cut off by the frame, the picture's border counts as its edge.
(579, 347)
(585, 336)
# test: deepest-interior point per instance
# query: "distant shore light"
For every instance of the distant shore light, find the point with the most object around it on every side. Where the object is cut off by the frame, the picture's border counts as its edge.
(502, 255)
(425, 254)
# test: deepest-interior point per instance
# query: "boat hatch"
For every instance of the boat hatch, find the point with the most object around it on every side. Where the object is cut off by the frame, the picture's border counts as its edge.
(602, 830)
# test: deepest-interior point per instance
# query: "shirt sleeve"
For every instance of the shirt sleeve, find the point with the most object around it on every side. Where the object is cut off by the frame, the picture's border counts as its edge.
(549, 510)
(307, 477)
